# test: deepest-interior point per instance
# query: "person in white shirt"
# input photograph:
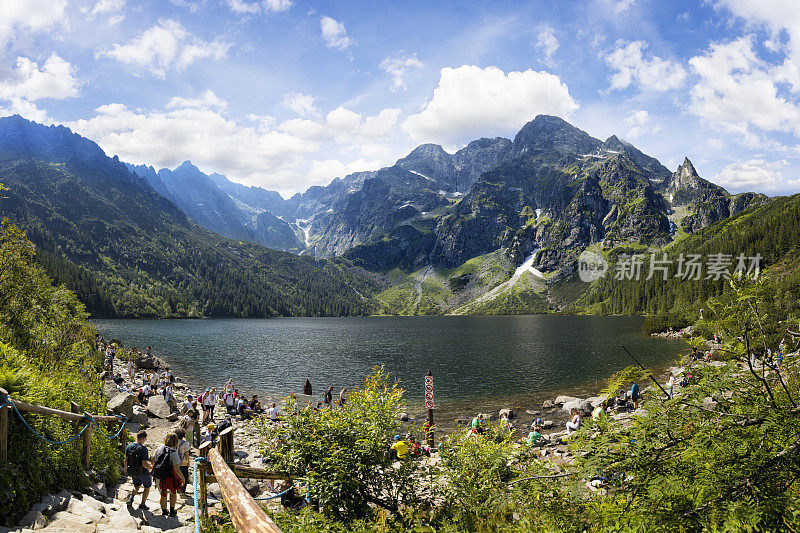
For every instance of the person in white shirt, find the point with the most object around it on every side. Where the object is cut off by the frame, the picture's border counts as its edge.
(575, 423)
(131, 370)
(230, 403)
(670, 385)
(272, 413)
(228, 386)
(209, 402)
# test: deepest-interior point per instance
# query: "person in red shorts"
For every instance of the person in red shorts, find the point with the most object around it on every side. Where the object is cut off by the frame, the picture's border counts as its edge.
(167, 472)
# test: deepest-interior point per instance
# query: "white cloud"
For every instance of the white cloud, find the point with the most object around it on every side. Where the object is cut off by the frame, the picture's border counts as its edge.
(637, 120)
(633, 67)
(288, 157)
(472, 102)
(547, 42)
(207, 99)
(617, 7)
(737, 90)
(302, 104)
(26, 109)
(344, 126)
(105, 7)
(266, 6)
(30, 81)
(276, 5)
(29, 15)
(398, 65)
(334, 33)
(756, 174)
(165, 46)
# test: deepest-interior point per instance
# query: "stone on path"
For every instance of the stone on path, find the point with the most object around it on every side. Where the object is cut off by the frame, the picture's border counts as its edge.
(53, 503)
(68, 522)
(122, 404)
(157, 407)
(79, 508)
(508, 412)
(548, 404)
(33, 519)
(140, 418)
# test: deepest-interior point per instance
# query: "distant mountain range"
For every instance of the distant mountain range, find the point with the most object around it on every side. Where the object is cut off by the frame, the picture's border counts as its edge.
(127, 250)
(440, 232)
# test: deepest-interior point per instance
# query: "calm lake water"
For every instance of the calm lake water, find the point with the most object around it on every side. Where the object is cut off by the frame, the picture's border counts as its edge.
(476, 361)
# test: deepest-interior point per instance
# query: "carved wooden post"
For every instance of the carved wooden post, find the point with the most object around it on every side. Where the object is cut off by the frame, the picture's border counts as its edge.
(226, 444)
(3, 427)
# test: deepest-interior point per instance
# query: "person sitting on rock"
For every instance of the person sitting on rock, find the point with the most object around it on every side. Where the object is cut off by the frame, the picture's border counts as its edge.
(505, 424)
(243, 410)
(255, 404)
(272, 413)
(399, 449)
(210, 433)
(575, 423)
(535, 437)
(477, 424)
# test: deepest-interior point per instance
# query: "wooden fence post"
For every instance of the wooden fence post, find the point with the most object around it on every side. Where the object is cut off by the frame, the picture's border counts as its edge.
(87, 447)
(73, 407)
(3, 427)
(226, 444)
(202, 489)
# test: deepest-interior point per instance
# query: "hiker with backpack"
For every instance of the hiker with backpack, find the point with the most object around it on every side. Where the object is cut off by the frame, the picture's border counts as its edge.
(139, 468)
(167, 472)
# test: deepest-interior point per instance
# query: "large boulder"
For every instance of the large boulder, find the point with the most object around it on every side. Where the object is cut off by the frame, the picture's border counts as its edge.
(507, 412)
(584, 406)
(122, 404)
(140, 418)
(158, 407)
(147, 362)
(564, 399)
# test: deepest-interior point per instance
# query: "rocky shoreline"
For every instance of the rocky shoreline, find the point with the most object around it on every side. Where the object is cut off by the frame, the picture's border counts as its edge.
(101, 508)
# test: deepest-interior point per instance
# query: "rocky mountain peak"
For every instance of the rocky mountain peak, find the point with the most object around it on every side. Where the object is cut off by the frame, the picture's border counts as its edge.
(549, 133)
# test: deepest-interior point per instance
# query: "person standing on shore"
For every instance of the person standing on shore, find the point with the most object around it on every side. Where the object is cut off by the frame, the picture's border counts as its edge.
(670, 385)
(183, 454)
(208, 401)
(131, 370)
(228, 389)
(328, 397)
(343, 398)
(187, 424)
(139, 469)
(168, 473)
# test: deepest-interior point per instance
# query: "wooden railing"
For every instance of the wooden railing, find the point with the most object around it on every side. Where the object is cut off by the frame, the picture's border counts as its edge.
(246, 514)
(73, 416)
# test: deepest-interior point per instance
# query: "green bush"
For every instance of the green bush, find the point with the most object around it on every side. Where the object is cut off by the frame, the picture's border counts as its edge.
(343, 453)
(46, 358)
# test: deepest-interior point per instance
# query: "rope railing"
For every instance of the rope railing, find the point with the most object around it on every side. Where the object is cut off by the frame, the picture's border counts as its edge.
(87, 419)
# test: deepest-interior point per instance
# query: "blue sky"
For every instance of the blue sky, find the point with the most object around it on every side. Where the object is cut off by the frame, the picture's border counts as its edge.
(289, 93)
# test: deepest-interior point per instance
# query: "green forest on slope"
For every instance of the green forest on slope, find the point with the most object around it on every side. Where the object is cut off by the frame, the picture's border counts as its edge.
(127, 252)
(771, 231)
